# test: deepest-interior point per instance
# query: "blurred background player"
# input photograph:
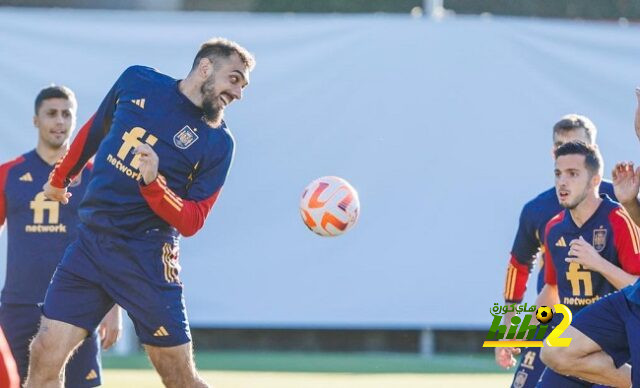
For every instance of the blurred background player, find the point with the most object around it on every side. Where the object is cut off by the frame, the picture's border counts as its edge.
(163, 153)
(592, 248)
(39, 231)
(528, 244)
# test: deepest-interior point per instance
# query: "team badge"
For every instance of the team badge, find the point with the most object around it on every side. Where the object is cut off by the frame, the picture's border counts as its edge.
(520, 380)
(185, 137)
(599, 239)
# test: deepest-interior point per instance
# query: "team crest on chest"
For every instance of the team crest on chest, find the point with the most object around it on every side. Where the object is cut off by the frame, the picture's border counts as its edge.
(185, 137)
(599, 239)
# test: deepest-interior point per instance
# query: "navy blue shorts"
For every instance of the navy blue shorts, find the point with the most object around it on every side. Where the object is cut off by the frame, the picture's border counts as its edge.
(139, 274)
(614, 324)
(20, 323)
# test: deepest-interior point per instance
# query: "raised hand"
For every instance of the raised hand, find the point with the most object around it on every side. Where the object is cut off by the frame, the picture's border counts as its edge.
(626, 182)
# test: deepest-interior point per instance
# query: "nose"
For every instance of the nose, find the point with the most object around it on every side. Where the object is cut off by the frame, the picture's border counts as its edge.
(562, 180)
(237, 92)
(59, 119)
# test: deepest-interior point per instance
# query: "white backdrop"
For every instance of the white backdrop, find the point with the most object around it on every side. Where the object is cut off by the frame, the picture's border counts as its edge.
(444, 129)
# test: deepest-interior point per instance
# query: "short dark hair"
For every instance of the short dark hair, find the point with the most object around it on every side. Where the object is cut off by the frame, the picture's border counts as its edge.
(54, 91)
(575, 121)
(223, 48)
(592, 158)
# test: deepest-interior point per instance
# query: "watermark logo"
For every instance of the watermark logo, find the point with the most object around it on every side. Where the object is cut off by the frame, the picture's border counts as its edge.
(524, 333)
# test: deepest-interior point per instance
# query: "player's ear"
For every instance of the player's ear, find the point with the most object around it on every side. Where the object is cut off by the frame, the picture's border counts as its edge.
(205, 67)
(35, 121)
(596, 179)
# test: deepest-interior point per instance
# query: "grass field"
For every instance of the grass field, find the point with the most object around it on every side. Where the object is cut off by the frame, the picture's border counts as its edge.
(120, 378)
(315, 370)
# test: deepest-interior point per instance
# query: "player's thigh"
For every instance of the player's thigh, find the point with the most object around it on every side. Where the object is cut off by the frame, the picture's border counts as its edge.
(55, 341)
(84, 369)
(604, 324)
(75, 295)
(174, 361)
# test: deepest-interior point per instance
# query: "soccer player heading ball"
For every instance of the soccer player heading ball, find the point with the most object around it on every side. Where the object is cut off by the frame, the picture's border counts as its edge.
(162, 153)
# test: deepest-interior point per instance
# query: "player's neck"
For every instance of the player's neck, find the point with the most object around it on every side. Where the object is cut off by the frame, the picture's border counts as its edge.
(191, 89)
(585, 209)
(49, 154)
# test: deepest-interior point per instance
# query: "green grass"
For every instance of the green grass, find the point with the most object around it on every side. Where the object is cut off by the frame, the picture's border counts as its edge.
(325, 362)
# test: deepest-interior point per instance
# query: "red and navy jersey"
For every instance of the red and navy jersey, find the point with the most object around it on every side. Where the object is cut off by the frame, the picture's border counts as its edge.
(611, 232)
(145, 106)
(529, 240)
(38, 230)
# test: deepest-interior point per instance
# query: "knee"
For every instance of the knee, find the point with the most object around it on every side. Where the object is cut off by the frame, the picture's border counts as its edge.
(555, 358)
(43, 351)
(38, 348)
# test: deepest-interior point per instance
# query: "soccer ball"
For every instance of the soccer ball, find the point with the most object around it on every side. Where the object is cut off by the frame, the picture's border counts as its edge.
(544, 314)
(329, 206)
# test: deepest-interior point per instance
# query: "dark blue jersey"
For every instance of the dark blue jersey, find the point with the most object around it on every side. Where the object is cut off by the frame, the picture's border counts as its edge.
(145, 106)
(529, 240)
(39, 230)
(614, 236)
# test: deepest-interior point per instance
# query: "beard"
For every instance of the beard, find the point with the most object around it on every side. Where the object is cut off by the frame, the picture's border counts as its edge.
(572, 205)
(213, 112)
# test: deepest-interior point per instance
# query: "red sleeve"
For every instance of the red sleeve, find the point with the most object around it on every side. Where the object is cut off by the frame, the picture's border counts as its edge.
(185, 215)
(516, 282)
(8, 369)
(72, 162)
(88, 139)
(626, 240)
(4, 173)
(550, 276)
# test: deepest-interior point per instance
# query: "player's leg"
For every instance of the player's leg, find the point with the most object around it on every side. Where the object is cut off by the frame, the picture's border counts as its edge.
(50, 350)
(599, 348)
(143, 280)
(74, 305)
(175, 365)
(84, 369)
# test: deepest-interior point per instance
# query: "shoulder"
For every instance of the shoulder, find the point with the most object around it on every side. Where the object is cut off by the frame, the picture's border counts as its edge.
(6, 167)
(543, 201)
(555, 221)
(606, 187)
(617, 215)
(221, 140)
(139, 73)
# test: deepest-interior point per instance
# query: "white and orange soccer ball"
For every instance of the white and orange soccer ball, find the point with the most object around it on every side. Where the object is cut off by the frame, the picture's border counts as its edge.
(329, 206)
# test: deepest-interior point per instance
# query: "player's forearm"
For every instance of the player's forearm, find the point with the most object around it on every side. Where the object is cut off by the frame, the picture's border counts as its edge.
(186, 216)
(615, 275)
(83, 147)
(516, 281)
